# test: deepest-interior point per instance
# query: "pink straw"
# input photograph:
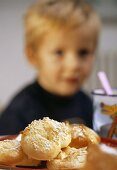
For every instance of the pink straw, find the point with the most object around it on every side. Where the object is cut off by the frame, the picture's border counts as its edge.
(105, 82)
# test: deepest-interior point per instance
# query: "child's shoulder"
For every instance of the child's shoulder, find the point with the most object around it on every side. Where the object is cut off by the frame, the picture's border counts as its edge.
(83, 94)
(24, 95)
(84, 97)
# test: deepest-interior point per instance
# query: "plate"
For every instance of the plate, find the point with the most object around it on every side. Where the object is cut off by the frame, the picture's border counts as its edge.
(109, 142)
(19, 168)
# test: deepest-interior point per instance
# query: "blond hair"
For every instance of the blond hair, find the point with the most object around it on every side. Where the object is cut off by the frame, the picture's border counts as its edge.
(49, 14)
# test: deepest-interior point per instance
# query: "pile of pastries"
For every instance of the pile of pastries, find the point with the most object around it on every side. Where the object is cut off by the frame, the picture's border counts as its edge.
(61, 145)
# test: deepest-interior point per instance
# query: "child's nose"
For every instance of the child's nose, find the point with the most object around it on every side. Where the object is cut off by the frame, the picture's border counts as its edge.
(72, 62)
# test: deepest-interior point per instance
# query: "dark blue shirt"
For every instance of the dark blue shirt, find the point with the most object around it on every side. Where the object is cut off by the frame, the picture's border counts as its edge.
(33, 102)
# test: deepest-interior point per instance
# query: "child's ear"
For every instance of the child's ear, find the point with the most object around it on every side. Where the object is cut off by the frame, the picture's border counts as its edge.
(29, 52)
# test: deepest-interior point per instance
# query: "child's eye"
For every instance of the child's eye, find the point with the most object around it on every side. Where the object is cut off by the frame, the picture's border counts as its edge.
(83, 53)
(59, 52)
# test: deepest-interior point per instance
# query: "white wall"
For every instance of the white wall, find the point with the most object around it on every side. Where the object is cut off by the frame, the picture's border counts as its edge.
(14, 70)
(108, 39)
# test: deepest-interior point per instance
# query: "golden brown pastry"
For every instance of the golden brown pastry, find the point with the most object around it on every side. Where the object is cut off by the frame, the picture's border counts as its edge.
(11, 153)
(27, 161)
(68, 158)
(43, 139)
(82, 136)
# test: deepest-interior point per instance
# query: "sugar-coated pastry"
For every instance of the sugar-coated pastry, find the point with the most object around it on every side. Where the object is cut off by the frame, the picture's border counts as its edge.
(82, 136)
(27, 161)
(69, 158)
(43, 139)
(11, 153)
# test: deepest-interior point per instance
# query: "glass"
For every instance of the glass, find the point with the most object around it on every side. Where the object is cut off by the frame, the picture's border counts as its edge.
(105, 113)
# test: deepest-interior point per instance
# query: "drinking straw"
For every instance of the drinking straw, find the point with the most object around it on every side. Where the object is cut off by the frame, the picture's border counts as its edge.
(105, 82)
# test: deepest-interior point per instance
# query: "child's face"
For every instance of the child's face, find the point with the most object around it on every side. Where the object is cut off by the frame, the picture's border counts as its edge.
(64, 60)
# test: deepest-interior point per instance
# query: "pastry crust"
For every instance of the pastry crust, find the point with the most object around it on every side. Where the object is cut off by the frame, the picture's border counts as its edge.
(43, 139)
(27, 161)
(83, 136)
(69, 158)
(11, 153)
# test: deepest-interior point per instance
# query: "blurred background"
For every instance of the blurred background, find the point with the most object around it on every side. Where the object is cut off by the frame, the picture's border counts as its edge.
(15, 72)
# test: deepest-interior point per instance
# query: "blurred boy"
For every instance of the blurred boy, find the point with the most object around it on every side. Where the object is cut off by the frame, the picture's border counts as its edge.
(61, 39)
